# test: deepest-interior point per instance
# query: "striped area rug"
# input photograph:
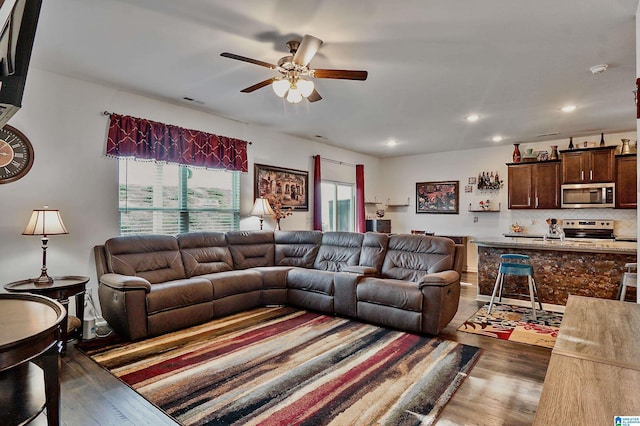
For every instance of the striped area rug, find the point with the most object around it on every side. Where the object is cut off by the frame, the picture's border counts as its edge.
(282, 366)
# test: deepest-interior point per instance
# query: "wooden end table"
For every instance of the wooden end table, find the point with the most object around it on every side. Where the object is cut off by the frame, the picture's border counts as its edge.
(29, 338)
(61, 289)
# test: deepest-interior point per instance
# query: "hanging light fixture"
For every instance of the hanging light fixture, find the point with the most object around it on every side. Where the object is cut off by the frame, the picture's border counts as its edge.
(305, 86)
(280, 87)
(293, 88)
(294, 96)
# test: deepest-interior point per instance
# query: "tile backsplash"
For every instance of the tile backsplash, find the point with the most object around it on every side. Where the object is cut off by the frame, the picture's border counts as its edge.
(534, 221)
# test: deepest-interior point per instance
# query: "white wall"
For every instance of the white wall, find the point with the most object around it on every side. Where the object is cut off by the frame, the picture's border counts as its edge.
(402, 173)
(63, 119)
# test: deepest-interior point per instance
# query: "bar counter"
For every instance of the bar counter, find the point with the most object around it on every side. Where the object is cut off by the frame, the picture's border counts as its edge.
(561, 268)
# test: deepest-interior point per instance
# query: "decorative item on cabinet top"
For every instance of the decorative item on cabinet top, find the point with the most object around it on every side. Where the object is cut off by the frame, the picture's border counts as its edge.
(388, 203)
(488, 181)
(484, 206)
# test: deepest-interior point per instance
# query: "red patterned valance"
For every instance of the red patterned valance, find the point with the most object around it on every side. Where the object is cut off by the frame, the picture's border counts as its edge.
(149, 140)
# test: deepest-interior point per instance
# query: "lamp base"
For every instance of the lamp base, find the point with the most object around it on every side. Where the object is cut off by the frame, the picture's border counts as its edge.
(42, 281)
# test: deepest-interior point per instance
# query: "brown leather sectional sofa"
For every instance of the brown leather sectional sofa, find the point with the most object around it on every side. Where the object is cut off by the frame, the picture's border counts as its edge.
(154, 284)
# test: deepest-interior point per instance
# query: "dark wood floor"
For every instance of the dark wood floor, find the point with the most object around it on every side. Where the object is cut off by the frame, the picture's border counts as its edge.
(503, 388)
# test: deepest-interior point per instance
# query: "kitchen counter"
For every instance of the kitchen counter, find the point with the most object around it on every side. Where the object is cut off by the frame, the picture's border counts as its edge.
(579, 267)
(538, 243)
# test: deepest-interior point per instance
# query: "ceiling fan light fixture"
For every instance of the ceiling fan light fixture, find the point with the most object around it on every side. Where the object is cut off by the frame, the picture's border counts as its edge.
(280, 87)
(294, 96)
(305, 86)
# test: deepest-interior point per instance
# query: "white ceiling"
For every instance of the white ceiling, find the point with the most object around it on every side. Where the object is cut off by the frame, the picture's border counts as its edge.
(430, 64)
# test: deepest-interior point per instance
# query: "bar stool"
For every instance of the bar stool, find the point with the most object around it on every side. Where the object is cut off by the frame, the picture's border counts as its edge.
(629, 279)
(509, 266)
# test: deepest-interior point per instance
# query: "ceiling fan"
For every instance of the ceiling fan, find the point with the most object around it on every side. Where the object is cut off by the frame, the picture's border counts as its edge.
(294, 80)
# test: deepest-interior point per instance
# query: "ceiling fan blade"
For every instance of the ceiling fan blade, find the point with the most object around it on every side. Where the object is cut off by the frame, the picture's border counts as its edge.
(306, 51)
(259, 85)
(314, 96)
(245, 59)
(341, 74)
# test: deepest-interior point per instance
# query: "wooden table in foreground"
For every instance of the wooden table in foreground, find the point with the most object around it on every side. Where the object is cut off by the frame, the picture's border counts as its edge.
(29, 338)
(594, 372)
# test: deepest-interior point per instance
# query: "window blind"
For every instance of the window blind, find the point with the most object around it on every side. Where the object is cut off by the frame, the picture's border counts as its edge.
(170, 199)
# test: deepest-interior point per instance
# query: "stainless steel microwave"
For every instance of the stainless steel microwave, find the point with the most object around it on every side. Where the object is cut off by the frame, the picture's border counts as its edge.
(588, 195)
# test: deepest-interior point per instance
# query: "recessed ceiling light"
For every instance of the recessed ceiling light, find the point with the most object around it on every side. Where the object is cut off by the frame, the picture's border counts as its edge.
(496, 138)
(392, 142)
(568, 108)
(598, 69)
(472, 117)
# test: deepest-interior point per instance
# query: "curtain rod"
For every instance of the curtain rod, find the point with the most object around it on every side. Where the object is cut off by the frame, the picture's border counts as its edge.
(342, 163)
(111, 113)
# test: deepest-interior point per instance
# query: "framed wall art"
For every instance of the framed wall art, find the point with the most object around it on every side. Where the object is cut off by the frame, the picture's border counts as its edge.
(437, 197)
(289, 186)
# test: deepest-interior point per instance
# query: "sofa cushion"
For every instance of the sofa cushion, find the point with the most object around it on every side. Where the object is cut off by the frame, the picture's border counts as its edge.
(178, 293)
(409, 257)
(338, 249)
(250, 249)
(395, 293)
(155, 258)
(374, 248)
(311, 280)
(230, 283)
(204, 253)
(297, 248)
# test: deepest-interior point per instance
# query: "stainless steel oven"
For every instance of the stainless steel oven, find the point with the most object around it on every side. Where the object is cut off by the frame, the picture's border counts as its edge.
(588, 195)
(590, 229)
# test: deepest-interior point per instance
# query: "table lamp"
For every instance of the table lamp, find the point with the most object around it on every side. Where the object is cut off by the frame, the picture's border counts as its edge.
(262, 208)
(45, 222)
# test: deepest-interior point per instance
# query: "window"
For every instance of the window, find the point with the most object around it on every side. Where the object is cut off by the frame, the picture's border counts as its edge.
(170, 199)
(338, 206)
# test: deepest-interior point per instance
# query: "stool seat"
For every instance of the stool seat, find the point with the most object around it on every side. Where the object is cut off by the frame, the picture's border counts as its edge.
(517, 265)
(516, 269)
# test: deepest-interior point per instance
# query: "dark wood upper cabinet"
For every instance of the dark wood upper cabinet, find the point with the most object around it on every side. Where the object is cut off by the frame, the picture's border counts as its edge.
(535, 185)
(590, 165)
(626, 182)
(519, 185)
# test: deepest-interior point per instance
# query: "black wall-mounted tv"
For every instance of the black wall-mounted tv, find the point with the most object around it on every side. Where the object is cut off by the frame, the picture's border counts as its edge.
(16, 43)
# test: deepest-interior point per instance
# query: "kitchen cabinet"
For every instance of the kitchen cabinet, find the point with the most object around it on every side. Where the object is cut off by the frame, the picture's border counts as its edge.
(534, 185)
(588, 165)
(626, 182)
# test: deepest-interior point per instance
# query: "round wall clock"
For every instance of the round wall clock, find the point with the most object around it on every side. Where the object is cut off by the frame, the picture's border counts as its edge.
(16, 154)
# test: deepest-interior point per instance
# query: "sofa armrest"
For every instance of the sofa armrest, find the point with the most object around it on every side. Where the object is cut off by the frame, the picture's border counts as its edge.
(368, 271)
(439, 279)
(125, 282)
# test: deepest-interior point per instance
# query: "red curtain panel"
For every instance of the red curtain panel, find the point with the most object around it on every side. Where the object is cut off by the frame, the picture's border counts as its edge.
(360, 212)
(317, 194)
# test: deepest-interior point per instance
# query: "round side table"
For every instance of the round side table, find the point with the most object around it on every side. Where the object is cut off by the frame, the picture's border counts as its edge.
(61, 289)
(29, 336)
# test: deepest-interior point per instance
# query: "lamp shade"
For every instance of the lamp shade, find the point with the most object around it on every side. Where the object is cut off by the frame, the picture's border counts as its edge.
(45, 222)
(306, 87)
(294, 96)
(280, 87)
(261, 208)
